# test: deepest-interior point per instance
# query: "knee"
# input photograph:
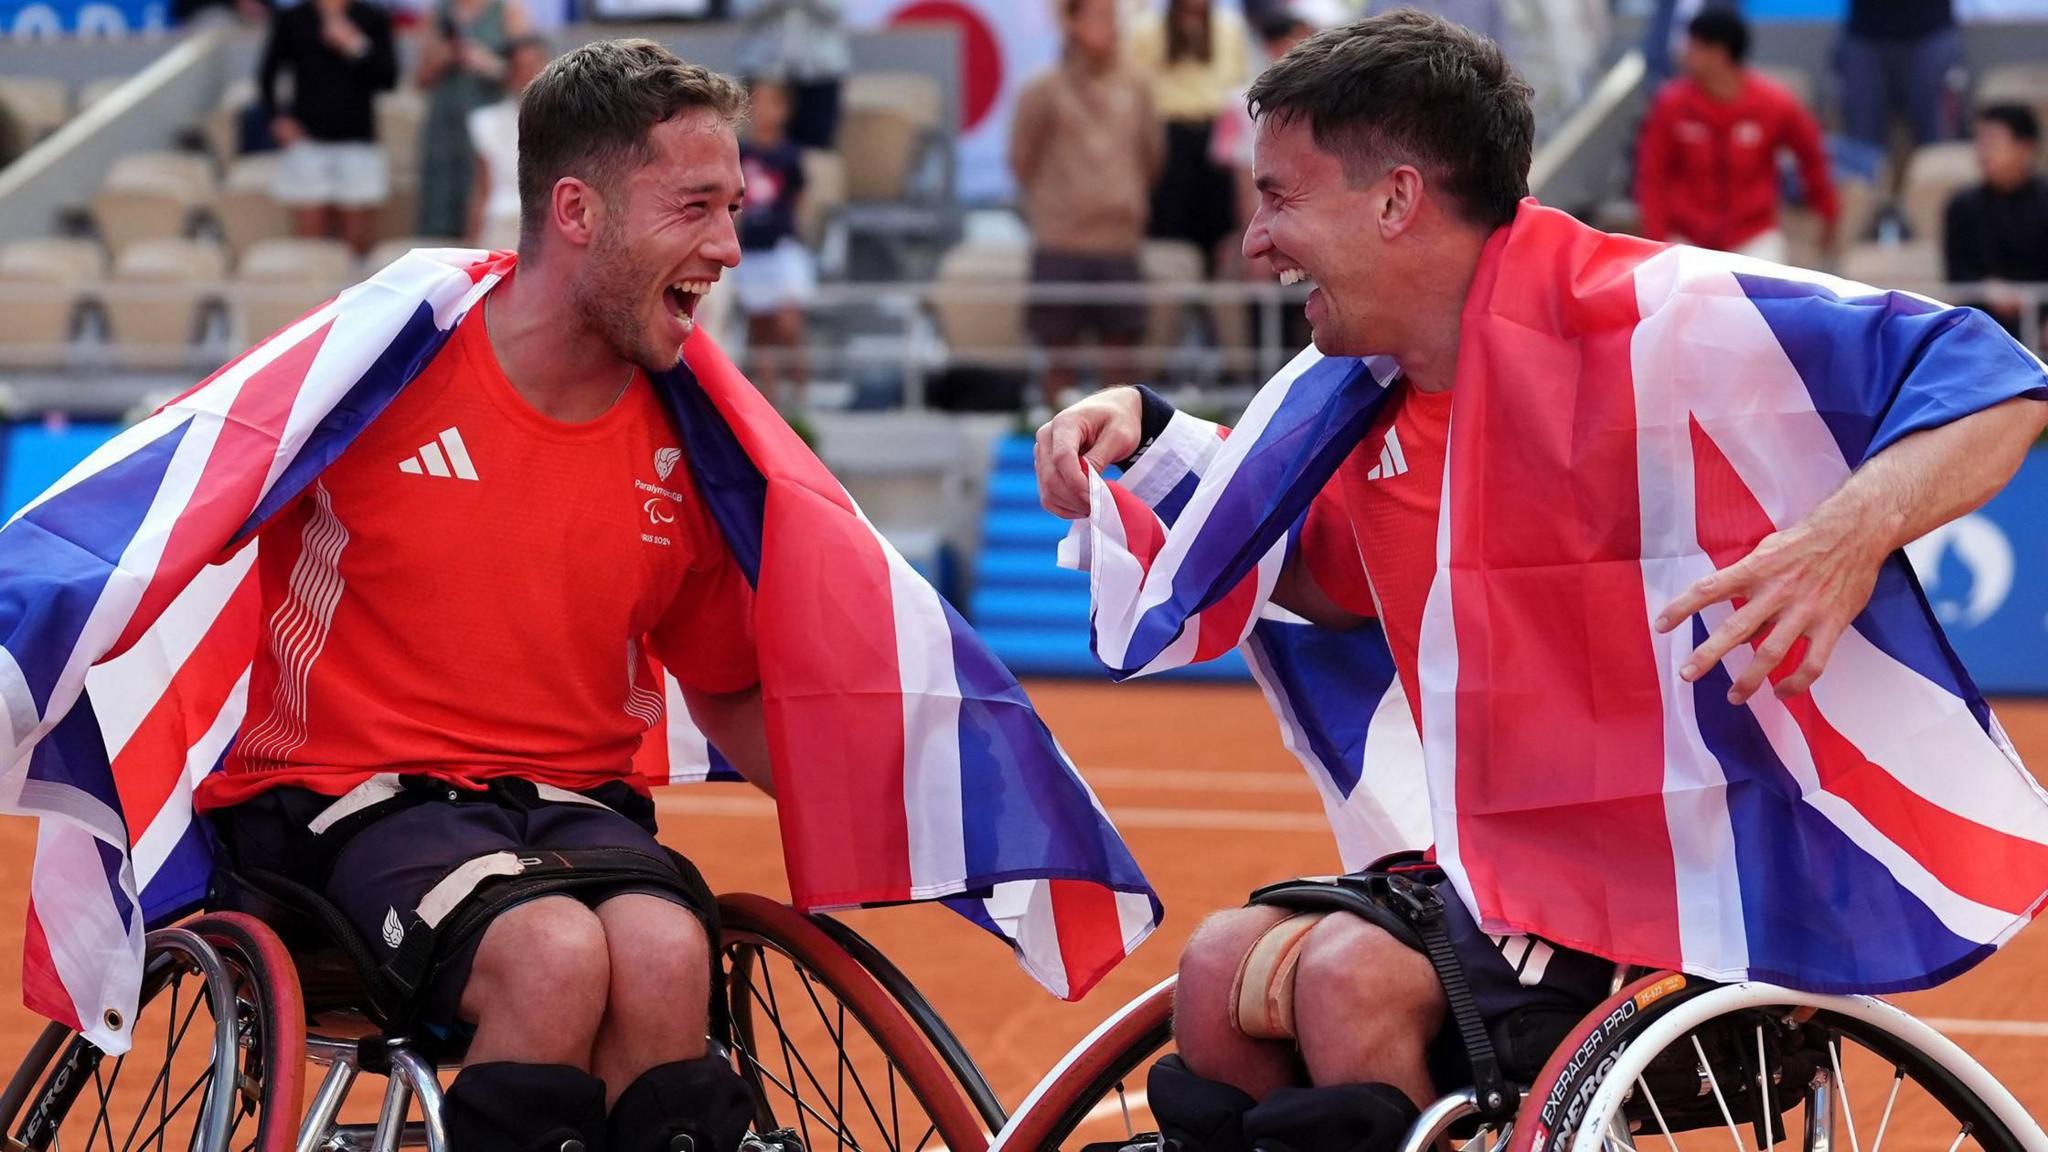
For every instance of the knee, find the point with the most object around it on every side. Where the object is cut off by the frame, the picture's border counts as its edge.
(1353, 969)
(549, 951)
(652, 940)
(1209, 963)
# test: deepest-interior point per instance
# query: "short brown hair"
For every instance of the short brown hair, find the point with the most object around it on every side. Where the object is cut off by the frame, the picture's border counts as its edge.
(589, 111)
(1406, 87)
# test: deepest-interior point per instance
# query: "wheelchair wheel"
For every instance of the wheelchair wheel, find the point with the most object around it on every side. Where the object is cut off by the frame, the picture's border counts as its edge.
(217, 1061)
(1096, 1093)
(1764, 1066)
(824, 1048)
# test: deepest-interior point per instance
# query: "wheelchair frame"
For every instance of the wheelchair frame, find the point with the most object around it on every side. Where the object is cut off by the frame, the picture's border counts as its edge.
(966, 1116)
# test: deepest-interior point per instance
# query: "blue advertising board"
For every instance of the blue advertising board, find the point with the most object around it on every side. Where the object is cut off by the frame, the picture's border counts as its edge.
(44, 19)
(1987, 577)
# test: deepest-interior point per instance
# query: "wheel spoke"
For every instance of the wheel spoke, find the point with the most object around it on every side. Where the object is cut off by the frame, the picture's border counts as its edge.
(1898, 1078)
(775, 1019)
(1658, 1112)
(1960, 1137)
(838, 1035)
(1842, 1088)
(1734, 1133)
(1766, 1133)
(163, 1078)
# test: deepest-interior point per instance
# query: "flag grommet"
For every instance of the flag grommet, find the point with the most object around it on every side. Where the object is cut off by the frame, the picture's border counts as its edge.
(113, 1020)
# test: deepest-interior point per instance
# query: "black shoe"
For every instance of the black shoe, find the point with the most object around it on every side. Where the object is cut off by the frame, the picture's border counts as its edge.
(1196, 1114)
(696, 1105)
(1340, 1118)
(506, 1107)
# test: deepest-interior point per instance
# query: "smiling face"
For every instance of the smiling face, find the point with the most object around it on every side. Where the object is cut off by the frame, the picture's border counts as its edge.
(1314, 226)
(667, 232)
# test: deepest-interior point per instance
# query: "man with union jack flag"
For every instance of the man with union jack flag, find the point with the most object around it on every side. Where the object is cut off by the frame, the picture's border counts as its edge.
(1575, 559)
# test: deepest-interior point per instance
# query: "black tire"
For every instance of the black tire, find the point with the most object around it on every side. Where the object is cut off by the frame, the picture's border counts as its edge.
(67, 1090)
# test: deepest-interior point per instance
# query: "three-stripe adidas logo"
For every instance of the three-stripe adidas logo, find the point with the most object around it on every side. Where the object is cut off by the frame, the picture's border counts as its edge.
(443, 457)
(1392, 461)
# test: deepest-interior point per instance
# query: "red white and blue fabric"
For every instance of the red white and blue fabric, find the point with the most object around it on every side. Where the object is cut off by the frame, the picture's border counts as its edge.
(1626, 418)
(910, 766)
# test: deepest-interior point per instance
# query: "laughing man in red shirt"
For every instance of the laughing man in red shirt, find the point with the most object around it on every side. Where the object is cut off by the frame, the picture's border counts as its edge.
(1707, 169)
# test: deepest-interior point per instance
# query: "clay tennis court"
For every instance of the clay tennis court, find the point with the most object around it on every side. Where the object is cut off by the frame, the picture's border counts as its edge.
(1213, 806)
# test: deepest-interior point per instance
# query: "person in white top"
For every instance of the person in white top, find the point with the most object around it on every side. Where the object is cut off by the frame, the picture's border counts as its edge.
(494, 135)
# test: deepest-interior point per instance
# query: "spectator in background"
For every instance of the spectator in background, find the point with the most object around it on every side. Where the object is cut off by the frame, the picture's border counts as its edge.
(1707, 164)
(1196, 59)
(462, 67)
(494, 137)
(1998, 231)
(775, 278)
(334, 175)
(1901, 58)
(1085, 146)
(804, 44)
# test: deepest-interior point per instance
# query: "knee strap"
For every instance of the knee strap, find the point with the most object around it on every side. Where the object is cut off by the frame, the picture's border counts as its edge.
(1262, 993)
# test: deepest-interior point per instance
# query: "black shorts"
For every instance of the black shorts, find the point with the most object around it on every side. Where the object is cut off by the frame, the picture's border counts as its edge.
(1060, 324)
(1530, 993)
(381, 869)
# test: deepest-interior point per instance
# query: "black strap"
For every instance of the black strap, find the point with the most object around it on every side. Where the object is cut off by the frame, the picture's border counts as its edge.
(1423, 908)
(1155, 412)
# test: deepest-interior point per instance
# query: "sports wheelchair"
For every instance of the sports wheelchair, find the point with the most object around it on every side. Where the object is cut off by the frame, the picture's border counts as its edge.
(841, 1051)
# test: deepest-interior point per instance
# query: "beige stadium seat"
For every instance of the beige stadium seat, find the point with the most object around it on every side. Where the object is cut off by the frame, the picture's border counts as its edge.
(151, 195)
(246, 210)
(2016, 84)
(156, 298)
(223, 126)
(1934, 173)
(911, 93)
(41, 285)
(400, 114)
(390, 250)
(982, 330)
(39, 103)
(878, 147)
(192, 170)
(824, 192)
(281, 280)
(1914, 267)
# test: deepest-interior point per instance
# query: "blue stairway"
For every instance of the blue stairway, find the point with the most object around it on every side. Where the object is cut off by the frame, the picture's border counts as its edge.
(1033, 613)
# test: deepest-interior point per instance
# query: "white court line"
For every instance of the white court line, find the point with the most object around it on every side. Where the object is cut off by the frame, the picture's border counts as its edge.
(697, 802)
(2036, 1029)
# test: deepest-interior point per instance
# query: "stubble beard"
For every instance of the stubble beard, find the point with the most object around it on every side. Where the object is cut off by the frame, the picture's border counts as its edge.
(608, 301)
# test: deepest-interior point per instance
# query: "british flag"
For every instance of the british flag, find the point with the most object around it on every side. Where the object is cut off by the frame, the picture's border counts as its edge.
(910, 765)
(1626, 418)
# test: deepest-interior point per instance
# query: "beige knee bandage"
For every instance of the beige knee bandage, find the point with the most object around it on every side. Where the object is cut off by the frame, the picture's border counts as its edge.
(1262, 995)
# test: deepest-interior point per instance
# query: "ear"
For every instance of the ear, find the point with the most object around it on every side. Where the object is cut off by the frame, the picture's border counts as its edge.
(1402, 207)
(575, 210)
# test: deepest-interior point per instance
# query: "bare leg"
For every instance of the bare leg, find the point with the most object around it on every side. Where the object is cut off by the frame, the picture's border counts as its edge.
(1210, 1045)
(310, 221)
(660, 989)
(763, 361)
(358, 228)
(538, 986)
(1366, 1007)
(789, 333)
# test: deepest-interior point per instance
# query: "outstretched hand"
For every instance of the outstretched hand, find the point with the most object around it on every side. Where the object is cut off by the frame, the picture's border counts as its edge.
(1794, 596)
(1101, 429)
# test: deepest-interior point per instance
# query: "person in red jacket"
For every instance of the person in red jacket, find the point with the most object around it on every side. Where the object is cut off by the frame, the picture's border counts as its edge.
(1707, 168)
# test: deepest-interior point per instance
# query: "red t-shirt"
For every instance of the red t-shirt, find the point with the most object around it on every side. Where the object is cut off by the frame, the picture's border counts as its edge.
(474, 589)
(1388, 493)
(1707, 170)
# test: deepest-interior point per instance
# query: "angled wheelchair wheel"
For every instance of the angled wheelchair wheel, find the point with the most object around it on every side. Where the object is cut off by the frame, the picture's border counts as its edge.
(1679, 1063)
(827, 1052)
(217, 1061)
(1095, 1095)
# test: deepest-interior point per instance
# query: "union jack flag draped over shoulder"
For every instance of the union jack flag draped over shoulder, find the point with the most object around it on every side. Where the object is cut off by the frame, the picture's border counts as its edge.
(1627, 417)
(909, 764)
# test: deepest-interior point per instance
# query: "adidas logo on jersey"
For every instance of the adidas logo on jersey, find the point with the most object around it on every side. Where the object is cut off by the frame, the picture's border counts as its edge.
(443, 457)
(1392, 461)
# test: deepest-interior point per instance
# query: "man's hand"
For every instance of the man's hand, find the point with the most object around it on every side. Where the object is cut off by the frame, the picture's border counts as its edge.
(286, 131)
(1799, 591)
(342, 35)
(1102, 429)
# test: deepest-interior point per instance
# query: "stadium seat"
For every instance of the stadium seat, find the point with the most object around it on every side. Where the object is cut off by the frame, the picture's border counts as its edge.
(824, 192)
(246, 211)
(156, 298)
(879, 147)
(41, 285)
(2015, 84)
(223, 126)
(281, 280)
(1915, 267)
(982, 331)
(1934, 173)
(400, 114)
(39, 103)
(151, 195)
(912, 93)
